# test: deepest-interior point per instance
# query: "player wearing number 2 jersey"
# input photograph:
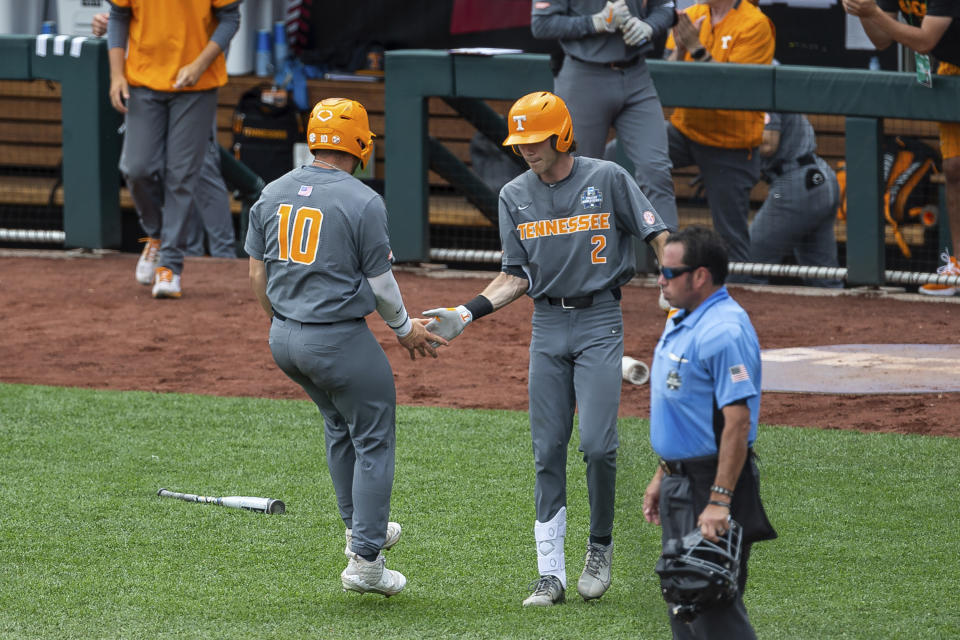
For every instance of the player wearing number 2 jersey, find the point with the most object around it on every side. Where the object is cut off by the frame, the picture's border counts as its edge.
(319, 263)
(567, 227)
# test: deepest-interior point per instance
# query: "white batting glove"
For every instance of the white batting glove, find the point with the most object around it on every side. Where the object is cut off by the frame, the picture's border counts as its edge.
(605, 20)
(621, 12)
(448, 322)
(636, 31)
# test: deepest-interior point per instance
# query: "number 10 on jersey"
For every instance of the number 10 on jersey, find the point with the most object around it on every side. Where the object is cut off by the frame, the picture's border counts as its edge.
(298, 236)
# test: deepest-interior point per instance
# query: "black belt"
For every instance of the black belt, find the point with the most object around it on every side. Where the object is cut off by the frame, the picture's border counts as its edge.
(280, 316)
(783, 166)
(581, 302)
(619, 64)
(684, 467)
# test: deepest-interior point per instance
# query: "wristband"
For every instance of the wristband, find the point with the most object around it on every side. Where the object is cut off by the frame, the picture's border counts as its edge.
(699, 53)
(719, 504)
(724, 492)
(479, 307)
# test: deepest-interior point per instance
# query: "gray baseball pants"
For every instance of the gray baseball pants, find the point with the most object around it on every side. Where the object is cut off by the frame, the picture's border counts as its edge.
(575, 363)
(728, 176)
(210, 214)
(345, 372)
(598, 97)
(166, 138)
(797, 219)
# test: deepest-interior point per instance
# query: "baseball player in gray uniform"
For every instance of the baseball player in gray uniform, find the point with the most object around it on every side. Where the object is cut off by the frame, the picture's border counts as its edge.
(798, 215)
(567, 227)
(604, 82)
(319, 263)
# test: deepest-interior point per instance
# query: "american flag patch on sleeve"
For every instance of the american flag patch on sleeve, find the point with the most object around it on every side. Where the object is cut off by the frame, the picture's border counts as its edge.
(305, 190)
(739, 373)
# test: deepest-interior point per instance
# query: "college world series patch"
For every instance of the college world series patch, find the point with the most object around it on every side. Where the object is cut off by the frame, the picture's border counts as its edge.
(591, 197)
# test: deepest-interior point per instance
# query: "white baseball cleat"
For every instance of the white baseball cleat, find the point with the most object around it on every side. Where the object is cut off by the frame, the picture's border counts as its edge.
(595, 579)
(393, 537)
(147, 262)
(364, 576)
(166, 284)
(547, 592)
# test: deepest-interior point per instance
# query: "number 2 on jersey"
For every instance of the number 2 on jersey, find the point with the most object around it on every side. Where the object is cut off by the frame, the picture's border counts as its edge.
(599, 243)
(302, 247)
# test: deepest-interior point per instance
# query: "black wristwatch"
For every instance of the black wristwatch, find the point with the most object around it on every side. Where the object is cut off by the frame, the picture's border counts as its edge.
(699, 53)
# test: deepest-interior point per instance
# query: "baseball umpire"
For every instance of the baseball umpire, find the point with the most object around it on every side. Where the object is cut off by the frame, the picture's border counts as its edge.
(319, 263)
(704, 405)
(604, 81)
(567, 227)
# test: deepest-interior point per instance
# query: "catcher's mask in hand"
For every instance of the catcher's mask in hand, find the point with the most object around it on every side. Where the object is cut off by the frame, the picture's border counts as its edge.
(696, 574)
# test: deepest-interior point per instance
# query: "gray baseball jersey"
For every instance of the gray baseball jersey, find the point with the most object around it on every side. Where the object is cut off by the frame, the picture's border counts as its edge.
(574, 238)
(797, 138)
(570, 22)
(321, 233)
(334, 238)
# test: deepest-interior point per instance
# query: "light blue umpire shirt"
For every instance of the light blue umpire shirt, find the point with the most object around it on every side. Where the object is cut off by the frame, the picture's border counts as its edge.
(704, 360)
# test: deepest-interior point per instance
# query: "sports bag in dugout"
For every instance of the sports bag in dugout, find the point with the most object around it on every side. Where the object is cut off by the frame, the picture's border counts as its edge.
(264, 132)
(909, 195)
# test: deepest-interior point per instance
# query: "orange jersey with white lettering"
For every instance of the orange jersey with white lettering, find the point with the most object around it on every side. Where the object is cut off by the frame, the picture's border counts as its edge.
(744, 36)
(166, 35)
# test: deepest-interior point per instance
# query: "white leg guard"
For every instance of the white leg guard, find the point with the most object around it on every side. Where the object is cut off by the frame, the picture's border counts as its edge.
(549, 537)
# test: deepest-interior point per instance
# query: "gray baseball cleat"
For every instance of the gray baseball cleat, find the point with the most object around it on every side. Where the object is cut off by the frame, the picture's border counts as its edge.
(364, 576)
(595, 579)
(393, 537)
(547, 592)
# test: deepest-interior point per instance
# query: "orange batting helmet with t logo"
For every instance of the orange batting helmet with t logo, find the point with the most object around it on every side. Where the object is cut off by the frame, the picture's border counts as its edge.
(537, 116)
(340, 124)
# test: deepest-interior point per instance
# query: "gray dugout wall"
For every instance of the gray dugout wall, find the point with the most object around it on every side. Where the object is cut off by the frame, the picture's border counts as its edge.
(864, 97)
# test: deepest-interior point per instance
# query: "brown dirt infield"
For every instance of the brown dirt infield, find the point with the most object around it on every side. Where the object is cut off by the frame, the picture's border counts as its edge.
(85, 322)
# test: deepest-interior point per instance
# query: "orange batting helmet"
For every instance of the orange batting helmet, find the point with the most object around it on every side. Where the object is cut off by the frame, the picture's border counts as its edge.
(341, 124)
(537, 116)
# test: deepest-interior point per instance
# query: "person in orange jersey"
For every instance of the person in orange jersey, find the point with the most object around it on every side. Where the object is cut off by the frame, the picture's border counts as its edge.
(165, 68)
(722, 143)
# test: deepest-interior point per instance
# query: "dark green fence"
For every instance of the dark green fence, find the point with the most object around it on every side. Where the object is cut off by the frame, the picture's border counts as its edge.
(865, 97)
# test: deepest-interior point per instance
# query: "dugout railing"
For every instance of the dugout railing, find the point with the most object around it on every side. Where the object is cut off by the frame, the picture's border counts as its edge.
(865, 98)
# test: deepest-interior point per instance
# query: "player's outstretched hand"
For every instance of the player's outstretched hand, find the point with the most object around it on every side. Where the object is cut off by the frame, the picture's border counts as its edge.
(449, 322)
(420, 340)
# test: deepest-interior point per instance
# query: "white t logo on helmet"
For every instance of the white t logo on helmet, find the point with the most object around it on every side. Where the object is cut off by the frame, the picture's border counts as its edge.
(519, 120)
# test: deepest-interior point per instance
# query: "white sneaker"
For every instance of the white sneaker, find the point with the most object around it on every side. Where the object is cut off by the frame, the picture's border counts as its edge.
(595, 579)
(547, 592)
(363, 576)
(950, 267)
(393, 537)
(166, 283)
(147, 262)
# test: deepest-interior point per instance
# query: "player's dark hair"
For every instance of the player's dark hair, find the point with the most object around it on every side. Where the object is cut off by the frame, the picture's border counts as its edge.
(703, 247)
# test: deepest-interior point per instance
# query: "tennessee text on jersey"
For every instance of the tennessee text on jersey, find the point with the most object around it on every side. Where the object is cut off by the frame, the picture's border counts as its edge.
(563, 226)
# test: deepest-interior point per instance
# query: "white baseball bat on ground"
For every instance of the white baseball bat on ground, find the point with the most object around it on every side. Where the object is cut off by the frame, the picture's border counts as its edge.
(250, 503)
(634, 371)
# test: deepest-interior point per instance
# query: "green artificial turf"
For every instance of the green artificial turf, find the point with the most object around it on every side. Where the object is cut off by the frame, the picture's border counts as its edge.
(868, 525)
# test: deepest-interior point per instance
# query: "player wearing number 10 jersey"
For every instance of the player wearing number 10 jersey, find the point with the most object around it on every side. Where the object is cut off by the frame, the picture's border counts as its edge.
(319, 263)
(567, 227)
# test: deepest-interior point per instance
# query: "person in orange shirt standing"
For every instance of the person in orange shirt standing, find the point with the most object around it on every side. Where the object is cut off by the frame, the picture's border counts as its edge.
(722, 143)
(165, 68)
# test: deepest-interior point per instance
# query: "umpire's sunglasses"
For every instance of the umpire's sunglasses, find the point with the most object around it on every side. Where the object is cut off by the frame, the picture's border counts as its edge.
(669, 273)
